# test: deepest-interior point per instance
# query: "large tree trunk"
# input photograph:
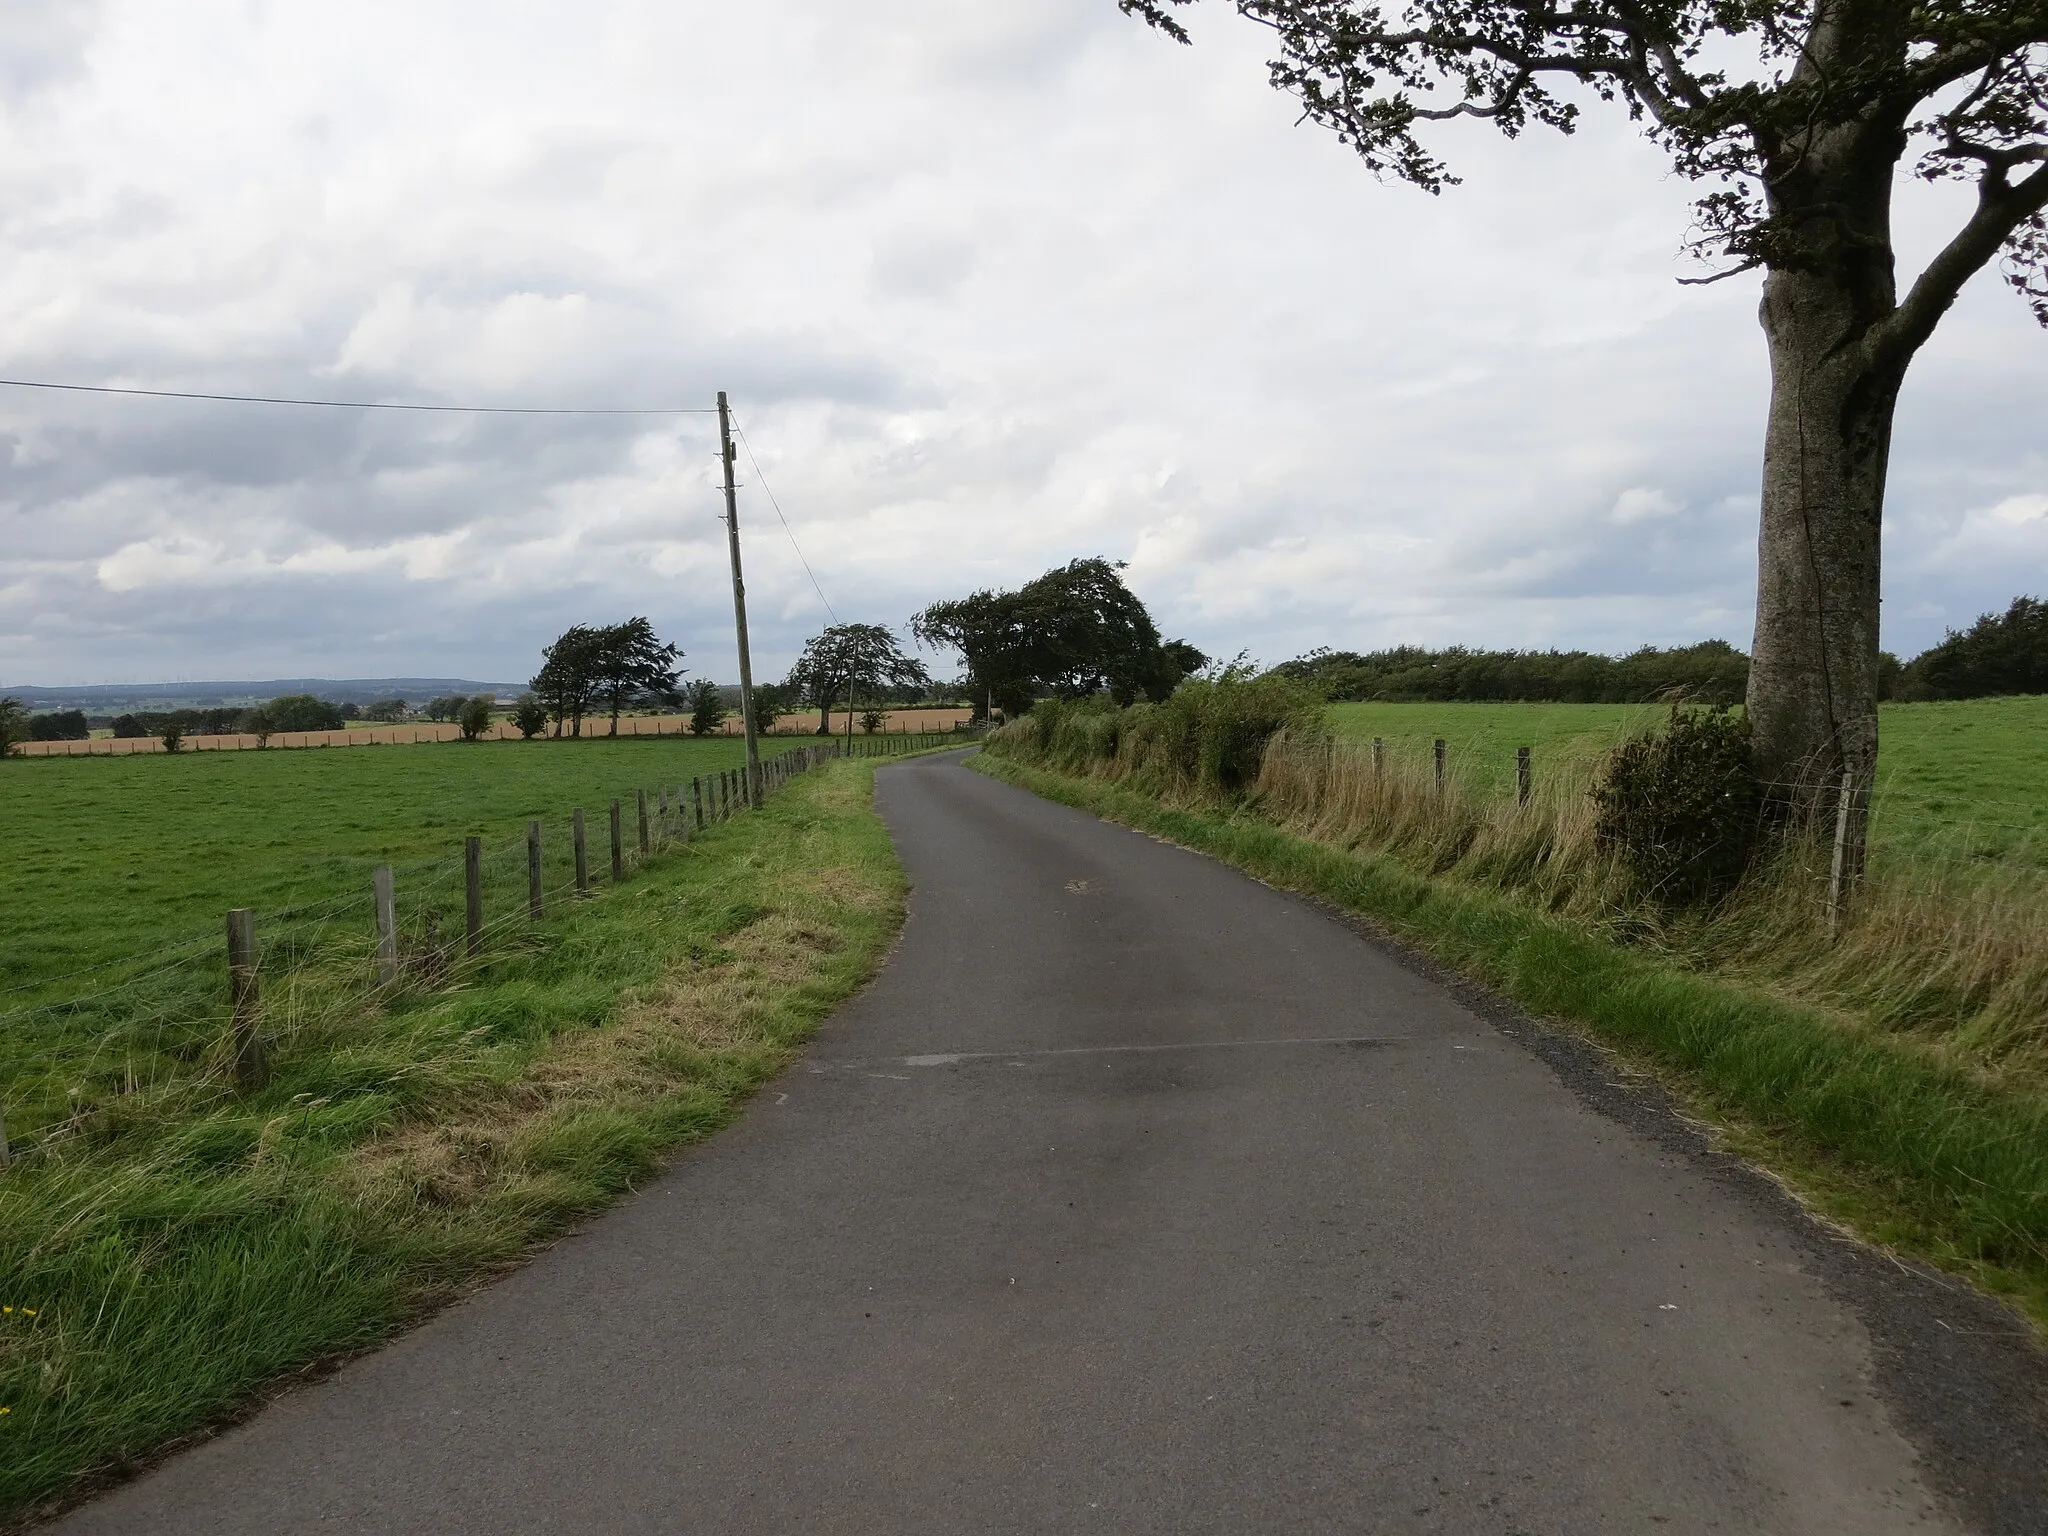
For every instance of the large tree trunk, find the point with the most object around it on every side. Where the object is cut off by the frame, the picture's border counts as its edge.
(1813, 672)
(1812, 696)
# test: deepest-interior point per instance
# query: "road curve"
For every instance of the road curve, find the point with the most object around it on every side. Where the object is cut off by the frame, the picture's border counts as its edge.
(1132, 1197)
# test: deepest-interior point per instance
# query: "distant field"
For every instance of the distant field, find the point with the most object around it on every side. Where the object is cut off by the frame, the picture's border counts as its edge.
(1959, 780)
(109, 857)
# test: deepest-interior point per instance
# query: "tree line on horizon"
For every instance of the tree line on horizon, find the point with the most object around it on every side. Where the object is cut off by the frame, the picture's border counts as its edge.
(1076, 631)
(1999, 654)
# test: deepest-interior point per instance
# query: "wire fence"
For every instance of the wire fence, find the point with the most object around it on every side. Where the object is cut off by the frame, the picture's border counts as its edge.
(167, 1022)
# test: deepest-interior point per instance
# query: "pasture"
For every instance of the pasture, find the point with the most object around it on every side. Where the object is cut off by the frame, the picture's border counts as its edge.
(1964, 780)
(116, 857)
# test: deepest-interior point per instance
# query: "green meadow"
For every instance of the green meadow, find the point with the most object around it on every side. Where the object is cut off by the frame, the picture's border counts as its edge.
(116, 857)
(1963, 780)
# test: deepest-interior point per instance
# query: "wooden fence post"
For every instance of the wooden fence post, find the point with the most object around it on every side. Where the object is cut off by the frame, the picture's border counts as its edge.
(473, 894)
(640, 797)
(582, 854)
(533, 885)
(1521, 775)
(1439, 765)
(661, 831)
(618, 848)
(1379, 761)
(1839, 875)
(697, 801)
(387, 924)
(242, 997)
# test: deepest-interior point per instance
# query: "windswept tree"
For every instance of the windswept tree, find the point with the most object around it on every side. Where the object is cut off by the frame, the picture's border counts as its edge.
(634, 666)
(1799, 115)
(609, 666)
(567, 681)
(1074, 631)
(853, 661)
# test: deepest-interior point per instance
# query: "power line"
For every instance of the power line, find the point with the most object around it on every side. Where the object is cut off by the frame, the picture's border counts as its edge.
(367, 405)
(784, 521)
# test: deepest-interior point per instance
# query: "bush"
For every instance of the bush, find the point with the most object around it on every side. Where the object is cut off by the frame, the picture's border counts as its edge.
(1682, 810)
(59, 725)
(707, 706)
(530, 716)
(172, 735)
(1211, 734)
(474, 717)
(13, 725)
(257, 723)
(872, 720)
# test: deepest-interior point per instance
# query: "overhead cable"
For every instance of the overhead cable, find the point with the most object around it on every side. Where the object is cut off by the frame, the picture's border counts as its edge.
(368, 405)
(738, 432)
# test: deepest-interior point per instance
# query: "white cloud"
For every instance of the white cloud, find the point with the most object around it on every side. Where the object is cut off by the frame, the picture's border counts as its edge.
(1642, 503)
(2021, 509)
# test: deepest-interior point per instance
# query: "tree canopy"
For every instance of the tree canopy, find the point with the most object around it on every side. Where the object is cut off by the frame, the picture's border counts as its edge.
(609, 666)
(849, 661)
(1966, 81)
(2000, 653)
(1712, 672)
(1074, 631)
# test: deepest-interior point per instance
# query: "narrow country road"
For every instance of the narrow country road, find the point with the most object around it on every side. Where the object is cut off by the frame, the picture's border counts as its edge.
(1136, 1197)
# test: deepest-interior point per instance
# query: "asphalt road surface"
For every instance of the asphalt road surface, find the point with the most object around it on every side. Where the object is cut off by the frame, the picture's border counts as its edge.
(1137, 1197)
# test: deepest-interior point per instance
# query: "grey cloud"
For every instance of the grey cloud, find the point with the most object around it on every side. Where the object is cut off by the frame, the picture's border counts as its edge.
(991, 287)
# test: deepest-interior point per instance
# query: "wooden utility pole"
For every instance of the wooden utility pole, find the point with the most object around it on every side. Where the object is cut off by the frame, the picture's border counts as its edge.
(739, 604)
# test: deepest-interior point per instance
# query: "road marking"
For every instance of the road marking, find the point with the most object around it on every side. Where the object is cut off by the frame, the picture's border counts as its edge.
(955, 1058)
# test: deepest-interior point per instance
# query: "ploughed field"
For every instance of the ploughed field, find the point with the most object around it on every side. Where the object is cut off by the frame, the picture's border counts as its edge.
(118, 868)
(1958, 781)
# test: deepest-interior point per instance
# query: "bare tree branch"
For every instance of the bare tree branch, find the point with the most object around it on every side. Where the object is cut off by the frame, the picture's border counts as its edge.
(2001, 208)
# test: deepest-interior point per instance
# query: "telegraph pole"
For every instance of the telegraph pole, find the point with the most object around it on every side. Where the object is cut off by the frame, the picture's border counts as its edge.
(739, 605)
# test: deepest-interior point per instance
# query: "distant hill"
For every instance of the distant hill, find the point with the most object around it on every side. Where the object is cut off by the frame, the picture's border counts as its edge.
(111, 698)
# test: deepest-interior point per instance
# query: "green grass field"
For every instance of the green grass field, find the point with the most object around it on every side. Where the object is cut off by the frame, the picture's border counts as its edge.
(1963, 780)
(112, 857)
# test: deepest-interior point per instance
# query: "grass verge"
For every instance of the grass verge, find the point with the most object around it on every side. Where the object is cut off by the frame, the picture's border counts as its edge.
(159, 1271)
(1922, 1157)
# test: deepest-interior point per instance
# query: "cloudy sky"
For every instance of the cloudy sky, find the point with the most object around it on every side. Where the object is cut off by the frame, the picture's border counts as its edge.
(991, 287)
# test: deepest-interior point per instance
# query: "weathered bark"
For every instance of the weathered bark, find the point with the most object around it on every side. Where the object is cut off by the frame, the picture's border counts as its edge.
(1813, 673)
(1828, 304)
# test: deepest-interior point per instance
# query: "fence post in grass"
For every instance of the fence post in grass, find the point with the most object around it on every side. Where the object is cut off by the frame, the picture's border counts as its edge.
(242, 997)
(387, 924)
(1521, 775)
(473, 894)
(1439, 765)
(618, 848)
(582, 853)
(1840, 876)
(697, 801)
(1379, 761)
(533, 886)
(640, 797)
(661, 814)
